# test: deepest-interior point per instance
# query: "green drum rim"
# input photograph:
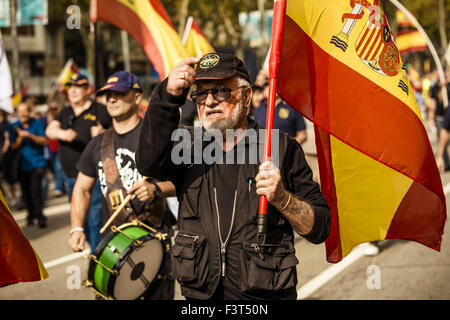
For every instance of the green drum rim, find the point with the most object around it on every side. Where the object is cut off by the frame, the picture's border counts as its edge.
(109, 259)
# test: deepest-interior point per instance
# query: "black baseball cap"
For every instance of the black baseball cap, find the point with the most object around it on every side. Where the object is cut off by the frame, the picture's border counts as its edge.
(220, 66)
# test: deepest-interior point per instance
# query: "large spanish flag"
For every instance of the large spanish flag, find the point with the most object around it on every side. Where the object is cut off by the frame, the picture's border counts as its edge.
(340, 67)
(148, 22)
(195, 41)
(18, 260)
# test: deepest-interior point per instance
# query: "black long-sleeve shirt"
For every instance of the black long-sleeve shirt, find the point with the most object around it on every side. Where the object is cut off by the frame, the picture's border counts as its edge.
(153, 158)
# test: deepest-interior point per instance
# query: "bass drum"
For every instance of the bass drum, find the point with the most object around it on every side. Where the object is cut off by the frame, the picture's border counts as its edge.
(126, 262)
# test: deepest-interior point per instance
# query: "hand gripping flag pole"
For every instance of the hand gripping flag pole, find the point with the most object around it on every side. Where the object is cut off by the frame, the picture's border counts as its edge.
(279, 11)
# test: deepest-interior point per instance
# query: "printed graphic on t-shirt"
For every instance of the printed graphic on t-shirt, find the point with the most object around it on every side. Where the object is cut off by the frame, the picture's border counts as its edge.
(127, 170)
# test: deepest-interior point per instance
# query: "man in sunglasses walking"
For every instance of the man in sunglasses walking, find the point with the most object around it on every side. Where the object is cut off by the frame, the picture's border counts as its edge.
(74, 127)
(123, 93)
(216, 253)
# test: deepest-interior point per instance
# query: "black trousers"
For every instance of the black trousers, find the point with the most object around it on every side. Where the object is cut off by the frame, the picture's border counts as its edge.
(31, 184)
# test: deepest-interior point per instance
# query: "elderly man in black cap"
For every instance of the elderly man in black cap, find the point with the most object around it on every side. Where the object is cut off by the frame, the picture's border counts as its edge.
(123, 95)
(217, 252)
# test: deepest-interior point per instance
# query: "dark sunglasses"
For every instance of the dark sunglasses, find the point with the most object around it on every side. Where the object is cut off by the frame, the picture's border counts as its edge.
(220, 94)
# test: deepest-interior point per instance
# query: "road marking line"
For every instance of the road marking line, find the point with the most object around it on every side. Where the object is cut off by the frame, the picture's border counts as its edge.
(49, 211)
(65, 259)
(314, 284)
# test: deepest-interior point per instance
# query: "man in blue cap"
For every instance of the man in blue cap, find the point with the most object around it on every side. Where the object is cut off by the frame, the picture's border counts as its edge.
(110, 157)
(74, 127)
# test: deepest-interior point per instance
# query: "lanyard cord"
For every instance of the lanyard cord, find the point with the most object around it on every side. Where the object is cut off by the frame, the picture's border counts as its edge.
(223, 243)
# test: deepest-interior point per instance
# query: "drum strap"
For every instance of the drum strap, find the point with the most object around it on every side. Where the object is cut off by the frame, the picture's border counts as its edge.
(115, 190)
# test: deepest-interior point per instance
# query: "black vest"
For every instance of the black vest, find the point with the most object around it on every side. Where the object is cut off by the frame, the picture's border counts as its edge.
(199, 259)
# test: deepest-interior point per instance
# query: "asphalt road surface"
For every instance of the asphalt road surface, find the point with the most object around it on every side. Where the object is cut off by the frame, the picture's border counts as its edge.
(401, 270)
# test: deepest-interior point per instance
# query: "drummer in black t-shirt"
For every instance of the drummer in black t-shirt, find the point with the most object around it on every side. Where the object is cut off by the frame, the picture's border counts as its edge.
(123, 94)
(74, 127)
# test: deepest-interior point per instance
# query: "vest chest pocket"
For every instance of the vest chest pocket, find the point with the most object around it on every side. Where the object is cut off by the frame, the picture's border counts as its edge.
(188, 259)
(267, 269)
(189, 192)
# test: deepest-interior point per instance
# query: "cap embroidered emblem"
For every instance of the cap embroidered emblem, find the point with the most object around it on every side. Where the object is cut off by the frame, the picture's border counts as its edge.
(107, 87)
(209, 61)
(113, 79)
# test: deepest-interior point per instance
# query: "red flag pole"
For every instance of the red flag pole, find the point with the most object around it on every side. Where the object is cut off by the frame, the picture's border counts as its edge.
(279, 12)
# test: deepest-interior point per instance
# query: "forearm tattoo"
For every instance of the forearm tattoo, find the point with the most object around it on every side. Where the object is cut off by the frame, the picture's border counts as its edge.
(299, 214)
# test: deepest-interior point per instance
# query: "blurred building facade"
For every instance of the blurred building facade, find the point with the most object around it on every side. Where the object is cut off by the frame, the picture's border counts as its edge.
(44, 49)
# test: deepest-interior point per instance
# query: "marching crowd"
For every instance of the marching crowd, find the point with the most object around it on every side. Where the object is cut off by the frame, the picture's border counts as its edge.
(72, 146)
(34, 171)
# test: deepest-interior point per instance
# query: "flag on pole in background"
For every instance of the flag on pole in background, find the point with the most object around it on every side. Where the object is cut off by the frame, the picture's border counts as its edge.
(5, 79)
(67, 71)
(408, 38)
(341, 69)
(18, 260)
(194, 40)
(18, 97)
(148, 23)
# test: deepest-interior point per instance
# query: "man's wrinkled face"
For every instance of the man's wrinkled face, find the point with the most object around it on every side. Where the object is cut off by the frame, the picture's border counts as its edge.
(222, 104)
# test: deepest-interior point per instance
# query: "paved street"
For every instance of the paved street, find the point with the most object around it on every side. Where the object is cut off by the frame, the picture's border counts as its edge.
(402, 269)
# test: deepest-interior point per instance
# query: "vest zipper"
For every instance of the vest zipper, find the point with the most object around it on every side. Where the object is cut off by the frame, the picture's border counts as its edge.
(223, 244)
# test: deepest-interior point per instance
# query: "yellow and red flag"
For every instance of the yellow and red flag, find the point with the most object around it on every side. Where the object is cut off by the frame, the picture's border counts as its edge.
(195, 41)
(148, 22)
(18, 97)
(408, 38)
(69, 69)
(18, 260)
(340, 67)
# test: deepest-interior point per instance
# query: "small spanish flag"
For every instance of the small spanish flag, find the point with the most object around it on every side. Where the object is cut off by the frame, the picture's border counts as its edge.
(18, 97)
(340, 67)
(69, 69)
(408, 38)
(148, 22)
(18, 260)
